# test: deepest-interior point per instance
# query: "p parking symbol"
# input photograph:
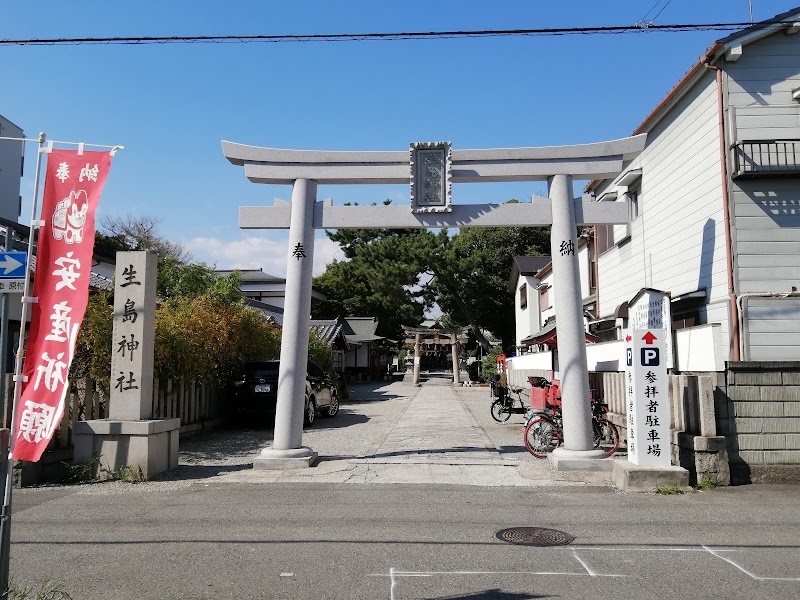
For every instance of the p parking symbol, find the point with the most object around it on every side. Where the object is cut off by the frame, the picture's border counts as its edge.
(650, 357)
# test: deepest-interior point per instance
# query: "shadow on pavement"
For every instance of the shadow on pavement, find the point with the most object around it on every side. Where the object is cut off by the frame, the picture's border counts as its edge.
(345, 418)
(186, 472)
(435, 451)
(495, 594)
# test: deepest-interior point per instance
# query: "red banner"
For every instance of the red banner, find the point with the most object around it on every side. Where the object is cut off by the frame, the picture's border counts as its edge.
(72, 188)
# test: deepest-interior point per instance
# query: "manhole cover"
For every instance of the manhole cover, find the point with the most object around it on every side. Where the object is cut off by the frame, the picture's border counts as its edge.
(534, 536)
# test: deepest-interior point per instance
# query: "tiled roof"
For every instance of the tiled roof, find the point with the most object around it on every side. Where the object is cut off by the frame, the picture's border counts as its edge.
(95, 281)
(330, 329)
(252, 276)
(526, 265)
(271, 314)
(327, 330)
(101, 283)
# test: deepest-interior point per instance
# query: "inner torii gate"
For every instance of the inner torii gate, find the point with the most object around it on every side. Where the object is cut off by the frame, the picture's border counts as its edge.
(435, 336)
(431, 169)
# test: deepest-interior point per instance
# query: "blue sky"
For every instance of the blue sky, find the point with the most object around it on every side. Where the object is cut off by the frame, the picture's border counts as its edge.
(170, 105)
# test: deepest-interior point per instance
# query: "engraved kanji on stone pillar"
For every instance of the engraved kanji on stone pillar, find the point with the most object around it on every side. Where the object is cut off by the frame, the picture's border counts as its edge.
(133, 336)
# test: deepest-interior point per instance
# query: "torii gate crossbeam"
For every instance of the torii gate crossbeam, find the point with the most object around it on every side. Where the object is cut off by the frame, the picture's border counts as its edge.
(430, 176)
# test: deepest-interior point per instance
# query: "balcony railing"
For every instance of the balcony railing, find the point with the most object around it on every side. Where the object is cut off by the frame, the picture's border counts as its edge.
(766, 158)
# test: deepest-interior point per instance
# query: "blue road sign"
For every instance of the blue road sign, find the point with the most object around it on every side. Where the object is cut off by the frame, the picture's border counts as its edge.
(12, 265)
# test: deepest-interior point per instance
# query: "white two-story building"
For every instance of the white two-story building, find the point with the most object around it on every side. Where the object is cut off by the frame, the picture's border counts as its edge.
(714, 198)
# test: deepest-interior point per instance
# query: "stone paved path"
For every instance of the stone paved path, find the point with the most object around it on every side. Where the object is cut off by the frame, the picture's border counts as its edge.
(436, 428)
(414, 435)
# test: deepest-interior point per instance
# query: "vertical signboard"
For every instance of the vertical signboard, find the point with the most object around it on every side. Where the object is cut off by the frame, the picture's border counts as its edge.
(651, 309)
(72, 188)
(647, 397)
(133, 336)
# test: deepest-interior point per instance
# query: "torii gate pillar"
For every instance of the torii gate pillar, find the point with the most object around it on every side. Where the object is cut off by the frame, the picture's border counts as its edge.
(456, 367)
(287, 451)
(575, 405)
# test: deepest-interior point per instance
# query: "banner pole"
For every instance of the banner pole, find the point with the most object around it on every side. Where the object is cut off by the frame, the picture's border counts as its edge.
(5, 515)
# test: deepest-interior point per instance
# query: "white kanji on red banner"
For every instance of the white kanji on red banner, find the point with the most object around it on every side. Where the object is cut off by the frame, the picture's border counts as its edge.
(72, 188)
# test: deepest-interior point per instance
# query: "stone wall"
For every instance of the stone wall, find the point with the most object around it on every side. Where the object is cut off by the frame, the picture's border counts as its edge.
(697, 445)
(759, 413)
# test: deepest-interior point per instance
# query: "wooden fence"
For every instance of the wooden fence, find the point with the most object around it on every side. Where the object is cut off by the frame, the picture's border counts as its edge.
(199, 406)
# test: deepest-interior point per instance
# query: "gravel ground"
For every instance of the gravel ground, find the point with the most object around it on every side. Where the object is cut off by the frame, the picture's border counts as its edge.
(361, 424)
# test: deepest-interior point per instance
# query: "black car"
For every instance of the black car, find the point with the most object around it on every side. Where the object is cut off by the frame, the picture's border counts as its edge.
(256, 392)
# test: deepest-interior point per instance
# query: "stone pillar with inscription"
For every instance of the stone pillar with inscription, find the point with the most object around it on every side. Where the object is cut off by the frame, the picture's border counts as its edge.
(133, 336)
(130, 437)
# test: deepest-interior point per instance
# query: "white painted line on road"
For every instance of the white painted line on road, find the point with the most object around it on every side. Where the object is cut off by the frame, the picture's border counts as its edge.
(394, 574)
(644, 549)
(746, 572)
(583, 563)
(729, 561)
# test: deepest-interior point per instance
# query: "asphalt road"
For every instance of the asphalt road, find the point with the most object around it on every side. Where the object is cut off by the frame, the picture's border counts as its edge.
(215, 529)
(306, 540)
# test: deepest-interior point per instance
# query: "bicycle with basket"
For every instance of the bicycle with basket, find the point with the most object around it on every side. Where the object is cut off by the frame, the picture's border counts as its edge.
(544, 430)
(505, 404)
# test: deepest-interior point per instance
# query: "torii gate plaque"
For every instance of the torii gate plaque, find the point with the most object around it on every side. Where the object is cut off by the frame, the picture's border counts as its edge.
(431, 168)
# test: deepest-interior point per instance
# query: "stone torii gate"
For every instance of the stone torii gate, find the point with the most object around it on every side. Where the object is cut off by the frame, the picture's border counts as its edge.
(421, 335)
(431, 169)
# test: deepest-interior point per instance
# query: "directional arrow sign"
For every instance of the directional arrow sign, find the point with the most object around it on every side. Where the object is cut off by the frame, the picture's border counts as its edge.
(649, 338)
(12, 265)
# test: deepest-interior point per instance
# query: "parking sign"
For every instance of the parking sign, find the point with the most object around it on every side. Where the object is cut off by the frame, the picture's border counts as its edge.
(647, 395)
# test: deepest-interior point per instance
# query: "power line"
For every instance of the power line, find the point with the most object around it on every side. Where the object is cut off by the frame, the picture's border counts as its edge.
(643, 22)
(357, 37)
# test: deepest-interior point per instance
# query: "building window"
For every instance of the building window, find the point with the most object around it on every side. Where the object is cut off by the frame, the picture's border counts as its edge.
(523, 296)
(634, 208)
(605, 237)
(544, 297)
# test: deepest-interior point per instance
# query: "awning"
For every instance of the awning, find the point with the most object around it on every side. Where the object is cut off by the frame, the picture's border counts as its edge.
(548, 336)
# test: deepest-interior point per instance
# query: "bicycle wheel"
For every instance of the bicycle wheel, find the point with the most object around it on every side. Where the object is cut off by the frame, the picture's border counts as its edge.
(542, 436)
(606, 436)
(500, 412)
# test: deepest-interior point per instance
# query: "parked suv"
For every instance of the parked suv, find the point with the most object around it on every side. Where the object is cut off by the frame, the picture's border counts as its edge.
(256, 392)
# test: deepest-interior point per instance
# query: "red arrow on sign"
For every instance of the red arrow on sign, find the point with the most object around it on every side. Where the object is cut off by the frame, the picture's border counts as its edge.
(649, 338)
(628, 338)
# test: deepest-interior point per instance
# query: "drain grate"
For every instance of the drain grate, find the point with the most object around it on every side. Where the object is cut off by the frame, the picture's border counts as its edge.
(534, 536)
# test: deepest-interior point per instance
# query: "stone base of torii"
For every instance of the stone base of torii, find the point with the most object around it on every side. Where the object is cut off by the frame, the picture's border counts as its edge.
(431, 169)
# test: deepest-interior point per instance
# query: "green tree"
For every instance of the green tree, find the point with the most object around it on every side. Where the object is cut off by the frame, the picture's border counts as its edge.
(180, 280)
(204, 331)
(205, 339)
(395, 275)
(471, 275)
(382, 278)
(320, 352)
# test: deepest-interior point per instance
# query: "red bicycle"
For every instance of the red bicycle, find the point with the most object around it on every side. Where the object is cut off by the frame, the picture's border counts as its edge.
(544, 430)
